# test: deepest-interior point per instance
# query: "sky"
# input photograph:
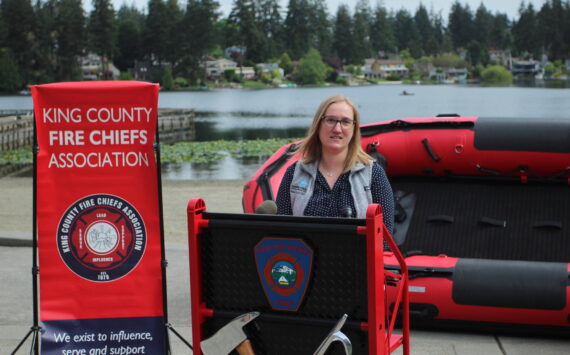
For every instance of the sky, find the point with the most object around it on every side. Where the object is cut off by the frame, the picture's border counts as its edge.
(510, 7)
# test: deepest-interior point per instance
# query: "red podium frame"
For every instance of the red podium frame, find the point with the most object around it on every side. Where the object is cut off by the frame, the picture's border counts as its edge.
(381, 322)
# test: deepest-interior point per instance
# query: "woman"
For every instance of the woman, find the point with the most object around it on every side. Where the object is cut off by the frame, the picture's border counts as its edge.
(335, 177)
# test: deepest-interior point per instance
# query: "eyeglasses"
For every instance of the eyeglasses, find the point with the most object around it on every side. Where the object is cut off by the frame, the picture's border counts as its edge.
(331, 121)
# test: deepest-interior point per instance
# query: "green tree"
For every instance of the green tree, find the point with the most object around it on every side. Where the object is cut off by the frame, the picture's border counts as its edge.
(174, 31)
(70, 38)
(343, 43)
(285, 63)
(311, 69)
(525, 32)
(129, 37)
(166, 81)
(230, 75)
(297, 34)
(155, 34)
(460, 25)
(500, 31)
(381, 33)
(496, 75)
(199, 36)
(18, 19)
(439, 35)
(243, 18)
(409, 61)
(362, 48)
(407, 35)
(45, 46)
(101, 29)
(225, 33)
(482, 25)
(425, 30)
(447, 60)
(477, 53)
(319, 27)
(10, 80)
(552, 25)
(270, 24)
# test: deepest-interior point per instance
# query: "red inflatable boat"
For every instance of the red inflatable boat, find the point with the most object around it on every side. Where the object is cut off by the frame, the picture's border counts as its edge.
(482, 215)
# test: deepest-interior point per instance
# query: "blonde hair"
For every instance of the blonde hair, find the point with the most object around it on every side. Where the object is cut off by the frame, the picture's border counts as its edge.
(311, 147)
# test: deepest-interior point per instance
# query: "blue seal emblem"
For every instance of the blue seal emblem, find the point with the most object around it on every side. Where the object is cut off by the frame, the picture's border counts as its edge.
(284, 268)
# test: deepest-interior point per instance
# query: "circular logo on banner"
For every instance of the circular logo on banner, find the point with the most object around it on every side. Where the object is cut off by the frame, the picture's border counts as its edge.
(101, 237)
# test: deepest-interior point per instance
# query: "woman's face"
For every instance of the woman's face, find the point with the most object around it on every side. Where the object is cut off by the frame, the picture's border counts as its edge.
(335, 135)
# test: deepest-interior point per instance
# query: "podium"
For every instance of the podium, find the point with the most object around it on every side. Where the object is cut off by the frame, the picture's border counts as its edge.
(301, 274)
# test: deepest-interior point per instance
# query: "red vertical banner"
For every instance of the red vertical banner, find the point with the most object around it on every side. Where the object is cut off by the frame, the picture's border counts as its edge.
(98, 219)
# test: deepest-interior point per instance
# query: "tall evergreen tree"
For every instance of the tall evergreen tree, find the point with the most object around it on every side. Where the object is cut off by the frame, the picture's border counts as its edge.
(343, 34)
(18, 19)
(500, 31)
(551, 23)
(199, 35)
(460, 25)
(45, 47)
(297, 29)
(3, 29)
(319, 27)
(525, 32)
(425, 30)
(70, 25)
(381, 33)
(243, 18)
(101, 29)
(270, 24)
(362, 47)
(130, 22)
(173, 30)
(441, 36)
(482, 25)
(155, 34)
(407, 35)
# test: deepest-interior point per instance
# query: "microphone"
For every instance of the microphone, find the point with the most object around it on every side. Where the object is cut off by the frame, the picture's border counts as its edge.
(266, 207)
(346, 212)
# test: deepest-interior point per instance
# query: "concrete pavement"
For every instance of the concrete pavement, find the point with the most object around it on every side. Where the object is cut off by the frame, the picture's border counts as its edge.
(16, 302)
(16, 314)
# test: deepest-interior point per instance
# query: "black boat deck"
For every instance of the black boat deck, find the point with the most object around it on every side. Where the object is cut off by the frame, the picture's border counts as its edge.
(485, 219)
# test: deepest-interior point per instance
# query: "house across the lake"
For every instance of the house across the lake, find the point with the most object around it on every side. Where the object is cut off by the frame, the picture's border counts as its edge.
(384, 68)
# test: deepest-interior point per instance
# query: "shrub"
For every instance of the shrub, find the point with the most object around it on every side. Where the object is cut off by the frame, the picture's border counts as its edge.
(230, 75)
(311, 68)
(125, 75)
(180, 82)
(496, 75)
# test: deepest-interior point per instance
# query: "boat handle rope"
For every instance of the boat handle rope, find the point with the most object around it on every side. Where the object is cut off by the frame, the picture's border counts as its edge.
(547, 225)
(524, 169)
(430, 151)
(441, 219)
(493, 222)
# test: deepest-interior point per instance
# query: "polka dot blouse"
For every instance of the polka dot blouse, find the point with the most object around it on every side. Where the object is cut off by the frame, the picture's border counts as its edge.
(333, 202)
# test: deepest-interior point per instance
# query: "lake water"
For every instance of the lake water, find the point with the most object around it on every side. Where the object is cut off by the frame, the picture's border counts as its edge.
(249, 114)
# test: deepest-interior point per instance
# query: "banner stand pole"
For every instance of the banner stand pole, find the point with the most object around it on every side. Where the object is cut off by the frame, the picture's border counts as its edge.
(167, 325)
(35, 329)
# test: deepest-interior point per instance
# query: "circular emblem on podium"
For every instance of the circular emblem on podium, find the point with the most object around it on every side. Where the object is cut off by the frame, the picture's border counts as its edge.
(101, 237)
(283, 274)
